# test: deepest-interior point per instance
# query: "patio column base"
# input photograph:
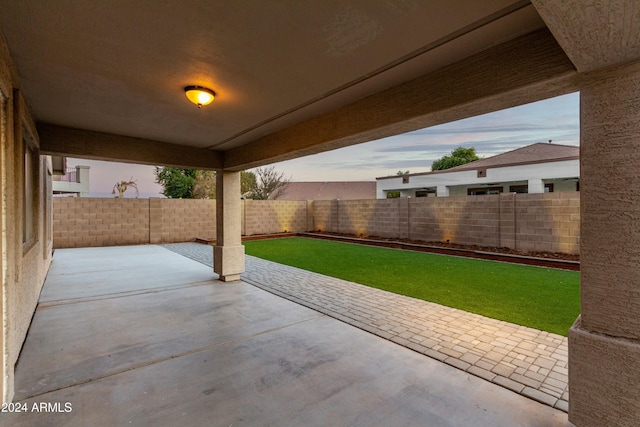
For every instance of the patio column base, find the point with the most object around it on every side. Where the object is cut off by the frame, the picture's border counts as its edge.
(228, 262)
(603, 379)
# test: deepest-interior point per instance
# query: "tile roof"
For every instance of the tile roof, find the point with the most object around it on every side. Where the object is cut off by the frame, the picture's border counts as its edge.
(331, 190)
(536, 153)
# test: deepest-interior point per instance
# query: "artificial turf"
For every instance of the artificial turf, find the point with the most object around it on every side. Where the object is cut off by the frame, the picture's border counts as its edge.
(540, 298)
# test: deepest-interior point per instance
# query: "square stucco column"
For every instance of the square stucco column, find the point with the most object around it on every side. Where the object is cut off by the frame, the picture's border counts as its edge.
(442, 191)
(604, 343)
(536, 186)
(228, 253)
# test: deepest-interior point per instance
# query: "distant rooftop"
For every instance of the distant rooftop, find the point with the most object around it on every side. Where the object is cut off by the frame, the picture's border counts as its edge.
(540, 152)
(330, 190)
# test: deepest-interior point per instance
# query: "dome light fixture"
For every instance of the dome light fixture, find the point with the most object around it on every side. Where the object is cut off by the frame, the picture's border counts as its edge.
(199, 95)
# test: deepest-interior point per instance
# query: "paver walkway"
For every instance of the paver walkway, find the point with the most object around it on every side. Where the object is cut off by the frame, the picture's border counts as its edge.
(525, 360)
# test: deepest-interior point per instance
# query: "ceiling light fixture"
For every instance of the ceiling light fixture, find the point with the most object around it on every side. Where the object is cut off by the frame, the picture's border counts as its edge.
(199, 95)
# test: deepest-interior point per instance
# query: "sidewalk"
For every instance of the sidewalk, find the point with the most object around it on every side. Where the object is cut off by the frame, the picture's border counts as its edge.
(528, 361)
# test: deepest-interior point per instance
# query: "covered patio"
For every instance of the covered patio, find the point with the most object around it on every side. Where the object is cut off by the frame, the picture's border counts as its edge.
(145, 336)
(107, 81)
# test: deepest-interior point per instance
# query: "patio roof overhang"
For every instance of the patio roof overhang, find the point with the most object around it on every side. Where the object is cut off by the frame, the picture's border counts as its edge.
(107, 82)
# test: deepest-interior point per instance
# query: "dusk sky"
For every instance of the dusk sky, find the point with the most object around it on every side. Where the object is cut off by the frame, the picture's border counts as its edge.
(555, 119)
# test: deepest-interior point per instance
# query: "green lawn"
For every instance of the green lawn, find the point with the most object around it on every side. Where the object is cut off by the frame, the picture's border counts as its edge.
(540, 298)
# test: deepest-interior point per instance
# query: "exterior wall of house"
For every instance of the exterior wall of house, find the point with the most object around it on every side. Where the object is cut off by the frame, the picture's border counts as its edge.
(459, 182)
(81, 185)
(27, 242)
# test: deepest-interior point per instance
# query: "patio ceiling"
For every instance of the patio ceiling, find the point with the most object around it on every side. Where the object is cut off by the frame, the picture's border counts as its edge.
(105, 80)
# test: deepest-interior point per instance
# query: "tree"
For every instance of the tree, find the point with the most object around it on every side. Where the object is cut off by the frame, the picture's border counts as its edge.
(401, 173)
(122, 186)
(459, 156)
(204, 185)
(178, 183)
(247, 183)
(268, 184)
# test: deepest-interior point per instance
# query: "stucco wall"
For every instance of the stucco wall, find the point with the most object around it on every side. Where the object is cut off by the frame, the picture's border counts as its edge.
(528, 222)
(458, 182)
(24, 264)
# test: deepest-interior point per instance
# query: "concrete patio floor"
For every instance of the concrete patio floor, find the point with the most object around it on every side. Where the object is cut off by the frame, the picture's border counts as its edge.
(143, 336)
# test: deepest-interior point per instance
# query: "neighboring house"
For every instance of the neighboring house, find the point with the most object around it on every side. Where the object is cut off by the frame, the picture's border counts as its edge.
(330, 190)
(537, 168)
(75, 182)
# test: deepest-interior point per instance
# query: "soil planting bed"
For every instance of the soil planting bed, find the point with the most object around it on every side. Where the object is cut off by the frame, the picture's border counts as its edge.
(543, 259)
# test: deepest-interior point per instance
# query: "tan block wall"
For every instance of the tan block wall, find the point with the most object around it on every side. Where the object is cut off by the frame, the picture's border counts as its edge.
(472, 220)
(274, 216)
(528, 222)
(322, 215)
(548, 222)
(383, 218)
(181, 220)
(86, 222)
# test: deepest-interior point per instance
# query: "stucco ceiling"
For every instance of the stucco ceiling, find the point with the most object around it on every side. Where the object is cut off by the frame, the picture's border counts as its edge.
(119, 67)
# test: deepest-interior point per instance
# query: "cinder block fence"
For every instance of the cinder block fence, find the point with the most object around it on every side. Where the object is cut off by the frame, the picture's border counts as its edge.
(528, 222)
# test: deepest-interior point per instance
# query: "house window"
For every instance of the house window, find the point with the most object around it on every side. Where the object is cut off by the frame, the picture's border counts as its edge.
(426, 193)
(405, 179)
(484, 190)
(520, 189)
(393, 194)
(524, 189)
(30, 200)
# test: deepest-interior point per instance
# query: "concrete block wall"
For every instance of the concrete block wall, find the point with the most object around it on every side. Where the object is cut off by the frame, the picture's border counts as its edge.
(181, 220)
(528, 222)
(472, 220)
(274, 216)
(322, 215)
(86, 222)
(384, 218)
(548, 222)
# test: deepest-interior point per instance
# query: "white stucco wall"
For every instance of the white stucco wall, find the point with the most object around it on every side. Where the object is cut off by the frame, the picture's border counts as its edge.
(561, 174)
(81, 187)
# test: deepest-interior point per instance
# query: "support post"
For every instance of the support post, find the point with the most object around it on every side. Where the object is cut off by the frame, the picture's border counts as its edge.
(442, 191)
(604, 343)
(228, 253)
(536, 186)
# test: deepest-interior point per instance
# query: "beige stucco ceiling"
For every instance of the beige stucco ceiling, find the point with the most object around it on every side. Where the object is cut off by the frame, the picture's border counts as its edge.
(119, 67)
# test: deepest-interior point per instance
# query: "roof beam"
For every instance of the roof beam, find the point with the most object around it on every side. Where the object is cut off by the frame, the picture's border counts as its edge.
(71, 142)
(526, 69)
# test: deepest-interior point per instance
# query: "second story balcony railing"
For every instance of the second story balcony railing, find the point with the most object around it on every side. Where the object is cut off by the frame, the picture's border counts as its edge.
(71, 175)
